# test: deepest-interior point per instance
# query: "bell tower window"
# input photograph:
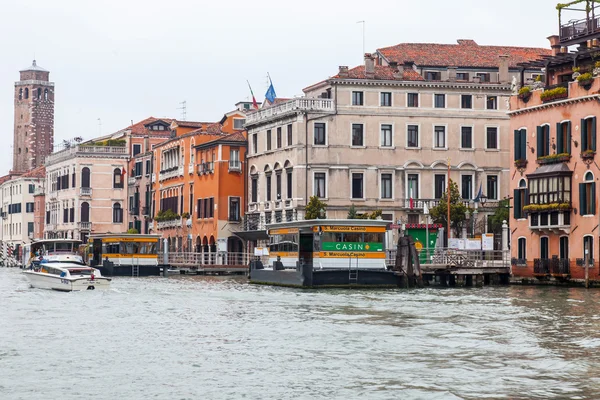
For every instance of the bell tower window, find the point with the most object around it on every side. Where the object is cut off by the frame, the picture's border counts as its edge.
(26, 93)
(21, 94)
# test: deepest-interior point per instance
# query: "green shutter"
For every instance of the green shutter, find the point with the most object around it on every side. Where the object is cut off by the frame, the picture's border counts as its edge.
(593, 196)
(593, 145)
(582, 199)
(559, 138)
(547, 141)
(517, 145)
(568, 137)
(540, 142)
(523, 151)
(517, 203)
(584, 144)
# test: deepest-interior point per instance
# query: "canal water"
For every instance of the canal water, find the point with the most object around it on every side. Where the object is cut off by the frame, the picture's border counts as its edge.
(210, 338)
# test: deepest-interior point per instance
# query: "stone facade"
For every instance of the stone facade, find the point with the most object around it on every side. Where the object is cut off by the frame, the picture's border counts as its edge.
(33, 118)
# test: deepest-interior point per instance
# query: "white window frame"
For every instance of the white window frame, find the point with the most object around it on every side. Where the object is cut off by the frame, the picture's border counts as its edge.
(445, 101)
(229, 207)
(406, 187)
(460, 107)
(497, 175)
(133, 147)
(497, 138)
(472, 175)
(445, 137)
(352, 98)
(364, 135)
(239, 119)
(381, 133)
(313, 134)
(321, 171)
(524, 238)
(472, 148)
(419, 145)
(364, 183)
(391, 98)
(418, 99)
(392, 173)
(497, 102)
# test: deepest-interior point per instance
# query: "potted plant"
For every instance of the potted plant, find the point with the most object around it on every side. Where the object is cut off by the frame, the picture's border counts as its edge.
(554, 94)
(554, 158)
(596, 70)
(585, 80)
(521, 164)
(534, 208)
(588, 154)
(525, 93)
(576, 73)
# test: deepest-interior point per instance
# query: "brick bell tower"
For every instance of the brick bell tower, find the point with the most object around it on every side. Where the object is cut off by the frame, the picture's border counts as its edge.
(34, 118)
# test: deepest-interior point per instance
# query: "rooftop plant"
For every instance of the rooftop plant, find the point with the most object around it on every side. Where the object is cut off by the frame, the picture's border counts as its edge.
(586, 77)
(556, 93)
(167, 215)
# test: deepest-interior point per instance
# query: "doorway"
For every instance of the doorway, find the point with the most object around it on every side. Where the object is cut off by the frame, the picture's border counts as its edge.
(306, 248)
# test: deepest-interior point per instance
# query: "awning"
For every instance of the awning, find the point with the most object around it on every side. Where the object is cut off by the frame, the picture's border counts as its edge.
(551, 169)
(252, 235)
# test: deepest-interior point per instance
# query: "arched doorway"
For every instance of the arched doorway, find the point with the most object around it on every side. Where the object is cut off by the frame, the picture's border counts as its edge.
(213, 250)
(235, 248)
(198, 246)
(205, 251)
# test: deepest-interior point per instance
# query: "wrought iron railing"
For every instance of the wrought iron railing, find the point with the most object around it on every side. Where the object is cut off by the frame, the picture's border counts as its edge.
(541, 266)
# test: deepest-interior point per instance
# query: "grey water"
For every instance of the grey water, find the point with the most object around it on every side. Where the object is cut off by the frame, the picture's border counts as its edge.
(221, 338)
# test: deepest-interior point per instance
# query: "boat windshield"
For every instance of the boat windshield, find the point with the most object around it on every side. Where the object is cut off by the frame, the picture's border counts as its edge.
(80, 271)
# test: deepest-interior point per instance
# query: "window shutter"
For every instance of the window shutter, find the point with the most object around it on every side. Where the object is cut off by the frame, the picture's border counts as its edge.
(593, 196)
(540, 141)
(584, 144)
(582, 199)
(517, 145)
(559, 138)
(523, 151)
(526, 197)
(593, 145)
(517, 204)
(568, 149)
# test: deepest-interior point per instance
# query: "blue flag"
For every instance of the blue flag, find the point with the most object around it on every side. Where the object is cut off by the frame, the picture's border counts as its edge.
(270, 95)
(479, 194)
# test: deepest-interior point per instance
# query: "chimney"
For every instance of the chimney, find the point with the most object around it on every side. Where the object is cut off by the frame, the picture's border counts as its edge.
(397, 70)
(343, 72)
(452, 74)
(146, 143)
(503, 69)
(369, 66)
(554, 44)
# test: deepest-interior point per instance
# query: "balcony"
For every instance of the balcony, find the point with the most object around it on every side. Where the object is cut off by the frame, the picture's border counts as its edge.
(82, 150)
(278, 204)
(85, 226)
(39, 191)
(174, 223)
(252, 207)
(131, 181)
(191, 168)
(419, 203)
(267, 205)
(85, 191)
(558, 267)
(550, 222)
(153, 178)
(304, 104)
(578, 30)
(146, 210)
(206, 168)
(169, 173)
(235, 166)
(134, 211)
(49, 227)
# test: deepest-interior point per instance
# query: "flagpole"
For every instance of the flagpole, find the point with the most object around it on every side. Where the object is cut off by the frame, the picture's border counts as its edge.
(448, 202)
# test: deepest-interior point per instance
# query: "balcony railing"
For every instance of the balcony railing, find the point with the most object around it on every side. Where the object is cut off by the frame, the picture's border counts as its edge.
(50, 227)
(191, 168)
(314, 105)
(560, 266)
(235, 165)
(575, 29)
(146, 210)
(174, 223)
(131, 181)
(85, 191)
(135, 211)
(419, 203)
(108, 151)
(171, 173)
(541, 266)
(85, 226)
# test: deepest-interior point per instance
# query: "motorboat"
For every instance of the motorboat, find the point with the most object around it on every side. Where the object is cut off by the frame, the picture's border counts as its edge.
(65, 272)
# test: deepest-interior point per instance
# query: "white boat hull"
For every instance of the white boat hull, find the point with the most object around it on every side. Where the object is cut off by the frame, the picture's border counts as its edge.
(66, 284)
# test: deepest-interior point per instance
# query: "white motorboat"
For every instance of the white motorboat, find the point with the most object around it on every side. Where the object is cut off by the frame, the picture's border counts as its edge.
(65, 272)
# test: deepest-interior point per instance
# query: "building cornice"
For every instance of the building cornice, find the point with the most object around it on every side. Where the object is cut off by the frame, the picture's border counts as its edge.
(422, 84)
(553, 104)
(34, 82)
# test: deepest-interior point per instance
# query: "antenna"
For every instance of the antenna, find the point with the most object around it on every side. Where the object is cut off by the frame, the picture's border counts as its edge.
(363, 34)
(183, 109)
(99, 126)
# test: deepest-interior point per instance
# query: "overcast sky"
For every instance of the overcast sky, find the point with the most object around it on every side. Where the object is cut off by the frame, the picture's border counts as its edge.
(123, 60)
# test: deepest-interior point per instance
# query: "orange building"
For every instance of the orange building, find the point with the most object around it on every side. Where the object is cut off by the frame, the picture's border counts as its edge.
(197, 176)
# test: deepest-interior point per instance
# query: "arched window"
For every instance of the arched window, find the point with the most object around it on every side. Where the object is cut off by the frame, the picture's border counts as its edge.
(19, 150)
(117, 179)
(21, 94)
(521, 199)
(85, 212)
(45, 94)
(85, 177)
(587, 195)
(117, 213)
(544, 247)
(39, 93)
(26, 93)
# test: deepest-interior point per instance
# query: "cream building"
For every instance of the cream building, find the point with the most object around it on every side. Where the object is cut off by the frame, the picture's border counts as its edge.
(18, 206)
(85, 189)
(382, 133)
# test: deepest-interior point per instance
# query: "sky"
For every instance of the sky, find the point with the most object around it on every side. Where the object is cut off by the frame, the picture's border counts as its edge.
(116, 61)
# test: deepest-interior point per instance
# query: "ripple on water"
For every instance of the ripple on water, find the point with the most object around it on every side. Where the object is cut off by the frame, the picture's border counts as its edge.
(220, 338)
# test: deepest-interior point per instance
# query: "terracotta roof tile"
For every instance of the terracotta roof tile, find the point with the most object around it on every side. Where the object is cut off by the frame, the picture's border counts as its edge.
(39, 172)
(466, 53)
(383, 73)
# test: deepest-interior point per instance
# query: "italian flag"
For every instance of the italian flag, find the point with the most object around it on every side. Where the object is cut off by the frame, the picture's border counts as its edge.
(254, 103)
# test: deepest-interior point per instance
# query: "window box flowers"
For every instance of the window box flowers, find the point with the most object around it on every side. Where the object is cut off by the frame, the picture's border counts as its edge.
(588, 154)
(554, 158)
(557, 93)
(585, 80)
(535, 208)
(521, 164)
